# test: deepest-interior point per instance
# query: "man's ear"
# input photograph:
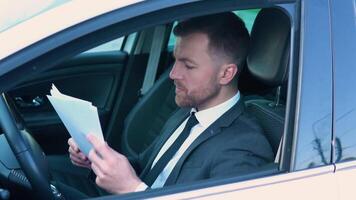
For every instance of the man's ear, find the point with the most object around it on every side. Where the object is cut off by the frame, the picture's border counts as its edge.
(228, 73)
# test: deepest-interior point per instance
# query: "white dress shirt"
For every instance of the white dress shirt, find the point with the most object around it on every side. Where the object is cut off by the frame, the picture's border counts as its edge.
(205, 118)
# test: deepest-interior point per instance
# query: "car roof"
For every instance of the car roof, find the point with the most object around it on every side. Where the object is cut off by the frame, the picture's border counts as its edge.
(48, 23)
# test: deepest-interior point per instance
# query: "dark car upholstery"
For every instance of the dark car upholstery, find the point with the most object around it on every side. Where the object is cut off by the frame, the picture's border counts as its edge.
(268, 63)
(146, 119)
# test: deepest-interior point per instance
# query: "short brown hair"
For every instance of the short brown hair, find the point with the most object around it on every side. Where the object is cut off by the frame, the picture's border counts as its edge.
(226, 32)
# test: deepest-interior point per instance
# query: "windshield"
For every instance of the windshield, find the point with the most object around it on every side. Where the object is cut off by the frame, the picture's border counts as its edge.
(13, 12)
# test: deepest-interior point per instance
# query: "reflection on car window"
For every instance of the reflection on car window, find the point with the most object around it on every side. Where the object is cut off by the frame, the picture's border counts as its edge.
(344, 74)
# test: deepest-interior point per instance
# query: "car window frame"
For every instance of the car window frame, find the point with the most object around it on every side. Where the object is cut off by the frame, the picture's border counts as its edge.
(78, 43)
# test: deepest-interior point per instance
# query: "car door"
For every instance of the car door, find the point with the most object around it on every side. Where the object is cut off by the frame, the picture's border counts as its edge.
(344, 43)
(94, 75)
(306, 150)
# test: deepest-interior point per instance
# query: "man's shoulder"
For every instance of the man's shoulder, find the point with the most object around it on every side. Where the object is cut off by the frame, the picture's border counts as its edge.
(244, 122)
(246, 132)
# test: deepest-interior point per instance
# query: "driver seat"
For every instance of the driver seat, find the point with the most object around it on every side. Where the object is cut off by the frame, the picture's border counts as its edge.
(267, 62)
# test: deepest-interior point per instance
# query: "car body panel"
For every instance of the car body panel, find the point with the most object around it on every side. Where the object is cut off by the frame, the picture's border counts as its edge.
(13, 14)
(50, 38)
(346, 179)
(53, 21)
(318, 183)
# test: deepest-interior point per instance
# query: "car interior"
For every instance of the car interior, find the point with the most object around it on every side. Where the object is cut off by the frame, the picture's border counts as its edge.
(131, 118)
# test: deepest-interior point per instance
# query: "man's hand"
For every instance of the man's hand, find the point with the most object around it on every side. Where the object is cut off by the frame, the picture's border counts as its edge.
(113, 171)
(76, 156)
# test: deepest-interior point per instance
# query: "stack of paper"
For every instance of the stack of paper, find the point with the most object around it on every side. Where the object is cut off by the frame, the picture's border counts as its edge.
(79, 117)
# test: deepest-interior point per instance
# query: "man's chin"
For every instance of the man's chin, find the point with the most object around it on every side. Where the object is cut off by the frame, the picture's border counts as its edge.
(183, 103)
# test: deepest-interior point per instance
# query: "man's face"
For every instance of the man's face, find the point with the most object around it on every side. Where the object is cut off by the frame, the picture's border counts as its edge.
(194, 73)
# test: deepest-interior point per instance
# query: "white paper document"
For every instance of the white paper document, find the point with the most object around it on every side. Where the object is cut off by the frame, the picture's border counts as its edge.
(80, 118)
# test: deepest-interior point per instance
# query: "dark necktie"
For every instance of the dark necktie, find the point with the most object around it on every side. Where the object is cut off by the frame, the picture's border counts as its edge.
(171, 151)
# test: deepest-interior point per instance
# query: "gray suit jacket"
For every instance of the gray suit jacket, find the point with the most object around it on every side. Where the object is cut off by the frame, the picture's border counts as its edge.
(233, 145)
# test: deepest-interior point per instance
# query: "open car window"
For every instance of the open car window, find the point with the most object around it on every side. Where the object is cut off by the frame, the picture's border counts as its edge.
(112, 80)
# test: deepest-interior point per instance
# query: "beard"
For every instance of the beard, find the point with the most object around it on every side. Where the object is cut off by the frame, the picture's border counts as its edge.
(196, 98)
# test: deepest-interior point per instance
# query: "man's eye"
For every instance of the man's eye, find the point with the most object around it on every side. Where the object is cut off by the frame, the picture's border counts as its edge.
(189, 66)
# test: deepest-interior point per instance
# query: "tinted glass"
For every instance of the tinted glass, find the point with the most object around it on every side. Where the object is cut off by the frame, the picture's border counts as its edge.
(314, 120)
(344, 42)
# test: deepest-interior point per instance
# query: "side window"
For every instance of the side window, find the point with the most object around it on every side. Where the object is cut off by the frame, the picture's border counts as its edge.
(113, 45)
(172, 39)
(344, 40)
(248, 16)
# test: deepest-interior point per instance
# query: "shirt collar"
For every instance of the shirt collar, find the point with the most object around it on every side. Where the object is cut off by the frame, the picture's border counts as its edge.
(208, 116)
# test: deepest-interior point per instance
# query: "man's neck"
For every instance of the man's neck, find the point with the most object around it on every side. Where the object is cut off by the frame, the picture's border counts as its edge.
(219, 99)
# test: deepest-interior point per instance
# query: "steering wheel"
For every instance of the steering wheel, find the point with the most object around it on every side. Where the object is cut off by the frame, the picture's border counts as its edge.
(27, 152)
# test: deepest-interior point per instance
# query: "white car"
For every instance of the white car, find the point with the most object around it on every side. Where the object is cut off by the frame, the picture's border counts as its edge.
(298, 83)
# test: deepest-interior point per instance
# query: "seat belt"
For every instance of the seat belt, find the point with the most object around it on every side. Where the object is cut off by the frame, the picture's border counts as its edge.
(277, 158)
(153, 60)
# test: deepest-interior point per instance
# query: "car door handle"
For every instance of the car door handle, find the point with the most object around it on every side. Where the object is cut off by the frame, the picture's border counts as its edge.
(30, 103)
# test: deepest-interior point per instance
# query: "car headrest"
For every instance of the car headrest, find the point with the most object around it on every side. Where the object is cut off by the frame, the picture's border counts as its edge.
(268, 56)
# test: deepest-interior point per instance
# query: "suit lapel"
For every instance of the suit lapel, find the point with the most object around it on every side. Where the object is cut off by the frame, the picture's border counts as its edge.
(224, 121)
(167, 131)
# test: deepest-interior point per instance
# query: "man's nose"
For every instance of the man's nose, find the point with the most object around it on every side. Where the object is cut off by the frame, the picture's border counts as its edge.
(174, 74)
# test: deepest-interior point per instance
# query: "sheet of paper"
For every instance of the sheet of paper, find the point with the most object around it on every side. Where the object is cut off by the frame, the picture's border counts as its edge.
(80, 118)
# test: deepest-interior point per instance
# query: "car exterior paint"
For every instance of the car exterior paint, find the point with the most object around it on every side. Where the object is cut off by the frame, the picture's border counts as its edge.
(53, 21)
(316, 183)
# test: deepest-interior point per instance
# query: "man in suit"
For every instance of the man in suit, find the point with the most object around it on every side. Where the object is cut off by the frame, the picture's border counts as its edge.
(211, 136)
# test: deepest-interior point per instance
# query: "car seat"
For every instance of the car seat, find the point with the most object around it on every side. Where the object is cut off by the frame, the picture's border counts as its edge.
(267, 61)
(146, 119)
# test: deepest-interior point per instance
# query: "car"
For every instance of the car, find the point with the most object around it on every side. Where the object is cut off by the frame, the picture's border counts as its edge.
(298, 83)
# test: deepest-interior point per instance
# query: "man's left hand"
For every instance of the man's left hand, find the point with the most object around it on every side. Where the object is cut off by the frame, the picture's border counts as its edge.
(113, 171)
